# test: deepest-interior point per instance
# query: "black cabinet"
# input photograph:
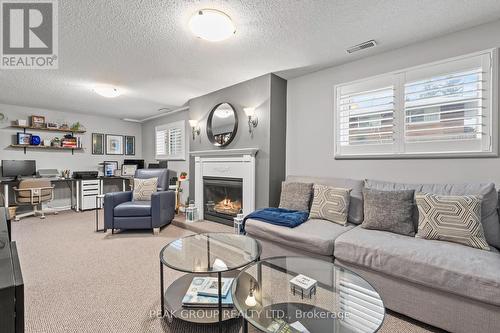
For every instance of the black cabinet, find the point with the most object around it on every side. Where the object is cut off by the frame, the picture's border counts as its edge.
(11, 282)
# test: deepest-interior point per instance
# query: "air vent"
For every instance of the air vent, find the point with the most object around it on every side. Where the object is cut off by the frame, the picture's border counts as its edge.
(362, 46)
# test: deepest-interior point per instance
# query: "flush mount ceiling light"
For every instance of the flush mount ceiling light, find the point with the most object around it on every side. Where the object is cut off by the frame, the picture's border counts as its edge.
(211, 25)
(107, 91)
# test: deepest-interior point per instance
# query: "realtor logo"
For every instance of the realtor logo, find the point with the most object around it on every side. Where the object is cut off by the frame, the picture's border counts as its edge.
(29, 34)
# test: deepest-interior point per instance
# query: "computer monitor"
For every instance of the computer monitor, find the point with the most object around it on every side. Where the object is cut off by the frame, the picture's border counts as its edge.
(139, 163)
(15, 168)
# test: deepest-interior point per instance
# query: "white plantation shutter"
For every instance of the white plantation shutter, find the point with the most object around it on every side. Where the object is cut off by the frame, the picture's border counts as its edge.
(442, 108)
(447, 107)
(365, 117)
(170, 141)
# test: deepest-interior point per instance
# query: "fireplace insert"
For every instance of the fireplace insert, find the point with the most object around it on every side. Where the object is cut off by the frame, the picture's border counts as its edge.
(222, 199)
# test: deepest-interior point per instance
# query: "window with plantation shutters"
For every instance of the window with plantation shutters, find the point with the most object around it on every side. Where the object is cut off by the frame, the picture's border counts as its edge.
(443, 108)
(170, 141)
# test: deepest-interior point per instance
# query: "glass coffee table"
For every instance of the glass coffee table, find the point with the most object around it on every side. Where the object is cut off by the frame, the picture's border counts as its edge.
(215, 255)
(340, 301)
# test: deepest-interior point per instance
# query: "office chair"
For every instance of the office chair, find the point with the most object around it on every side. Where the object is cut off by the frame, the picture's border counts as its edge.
(34, 192)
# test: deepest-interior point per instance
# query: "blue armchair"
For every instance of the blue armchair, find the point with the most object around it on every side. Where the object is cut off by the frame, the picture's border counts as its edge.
(121, 212)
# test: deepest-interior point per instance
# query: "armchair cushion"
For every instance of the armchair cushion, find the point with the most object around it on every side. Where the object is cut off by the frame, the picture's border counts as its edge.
(133, 208)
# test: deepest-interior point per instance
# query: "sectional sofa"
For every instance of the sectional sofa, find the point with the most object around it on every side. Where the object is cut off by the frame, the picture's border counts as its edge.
(447, 285)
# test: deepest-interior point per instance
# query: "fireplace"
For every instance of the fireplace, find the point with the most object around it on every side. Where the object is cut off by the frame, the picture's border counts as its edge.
(222, 198)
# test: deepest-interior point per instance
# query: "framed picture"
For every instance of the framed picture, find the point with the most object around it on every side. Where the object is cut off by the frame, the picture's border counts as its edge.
(23, 138)
(109, 168)
(128, 170)
(114, 144)
(129, 145)
(38, 121)
(97, 144)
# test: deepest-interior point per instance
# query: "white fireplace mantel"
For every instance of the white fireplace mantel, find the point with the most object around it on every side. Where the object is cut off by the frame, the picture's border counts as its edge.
(226, 163)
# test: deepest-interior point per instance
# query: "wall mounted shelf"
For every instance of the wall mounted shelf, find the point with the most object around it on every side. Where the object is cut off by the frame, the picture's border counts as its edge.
(47, 129)
(44, 148)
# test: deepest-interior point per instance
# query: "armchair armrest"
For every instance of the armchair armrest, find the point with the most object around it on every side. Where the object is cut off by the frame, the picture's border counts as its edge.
(162, 208)
(111, 200)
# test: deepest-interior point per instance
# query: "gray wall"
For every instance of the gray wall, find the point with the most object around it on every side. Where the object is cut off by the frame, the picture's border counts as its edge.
(148, 144)
(80, 161)
(252, 93)
(63, 159)
(310, 138)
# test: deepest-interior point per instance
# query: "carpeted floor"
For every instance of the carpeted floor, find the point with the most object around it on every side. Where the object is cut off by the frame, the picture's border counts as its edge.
(77, 280)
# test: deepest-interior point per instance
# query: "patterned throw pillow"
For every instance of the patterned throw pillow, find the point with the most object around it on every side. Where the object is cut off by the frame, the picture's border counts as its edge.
(144, 188)
(296, 196)
(451, 218)
(330, 203)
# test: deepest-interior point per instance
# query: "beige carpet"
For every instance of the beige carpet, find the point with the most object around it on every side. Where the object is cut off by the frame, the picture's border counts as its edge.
(77, 280)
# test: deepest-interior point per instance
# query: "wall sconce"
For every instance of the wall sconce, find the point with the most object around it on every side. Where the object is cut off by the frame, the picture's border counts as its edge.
(253, 121)
(195, 129)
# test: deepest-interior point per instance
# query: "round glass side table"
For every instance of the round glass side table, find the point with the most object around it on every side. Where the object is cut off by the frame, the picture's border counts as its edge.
(301, 294)
(217, 255)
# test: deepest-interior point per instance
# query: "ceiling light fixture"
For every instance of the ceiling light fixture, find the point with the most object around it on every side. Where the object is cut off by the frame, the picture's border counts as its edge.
(107, 91)
(211, 25)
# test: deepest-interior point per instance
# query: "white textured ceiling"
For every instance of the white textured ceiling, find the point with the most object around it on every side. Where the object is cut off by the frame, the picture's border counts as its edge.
(146, 48)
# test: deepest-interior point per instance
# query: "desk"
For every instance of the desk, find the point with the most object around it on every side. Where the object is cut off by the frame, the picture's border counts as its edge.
(73, 184)
(6, 182)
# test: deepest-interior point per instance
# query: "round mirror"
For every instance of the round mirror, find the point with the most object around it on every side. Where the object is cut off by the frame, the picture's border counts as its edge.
(222, 124)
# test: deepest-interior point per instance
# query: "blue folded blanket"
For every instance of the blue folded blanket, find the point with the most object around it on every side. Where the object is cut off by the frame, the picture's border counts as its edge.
(279, 216)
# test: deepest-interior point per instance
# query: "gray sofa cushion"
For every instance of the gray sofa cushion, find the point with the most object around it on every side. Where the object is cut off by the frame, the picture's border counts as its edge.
(489, 213)
(316, 236)
(389, 211)
(356, 186)
(133, 208)
(296, 195)
(451, 267)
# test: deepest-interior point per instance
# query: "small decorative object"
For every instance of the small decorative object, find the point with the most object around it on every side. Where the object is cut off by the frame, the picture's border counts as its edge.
(3, 117)
(52, 125)
(183, 175)
(64, 126)
(129, 145)
(238, 224)
(56, 142)
(65, 174)
(110, 167)
(191, 212)
(97, 144)
(77, 127)
(35, 140)
(38, 121)
(114, 144)
(250, 300)
(128, 170)
(23, 138)
(303, 285)
(22, 122)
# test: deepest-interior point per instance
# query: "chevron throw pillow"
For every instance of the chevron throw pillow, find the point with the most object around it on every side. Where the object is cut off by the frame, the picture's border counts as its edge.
(144, 188)
(451, 218)
(330, 203)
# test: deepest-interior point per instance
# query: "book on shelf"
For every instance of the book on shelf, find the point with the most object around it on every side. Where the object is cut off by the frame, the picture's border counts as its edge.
(192, 298)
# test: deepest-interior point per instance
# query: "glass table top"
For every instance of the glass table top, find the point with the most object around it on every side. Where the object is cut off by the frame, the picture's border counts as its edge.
(210, 253)
(340, 301)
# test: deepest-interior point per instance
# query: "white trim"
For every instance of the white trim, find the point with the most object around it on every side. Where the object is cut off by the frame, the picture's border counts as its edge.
(225, 152)
(163, 114)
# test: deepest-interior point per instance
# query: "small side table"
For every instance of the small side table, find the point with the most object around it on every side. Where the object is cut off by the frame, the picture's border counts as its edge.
(98, 205)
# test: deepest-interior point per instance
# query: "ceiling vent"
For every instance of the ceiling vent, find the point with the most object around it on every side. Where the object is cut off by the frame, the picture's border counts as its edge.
(362, 46)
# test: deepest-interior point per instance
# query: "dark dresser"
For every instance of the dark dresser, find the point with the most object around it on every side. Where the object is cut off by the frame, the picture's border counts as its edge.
(11, 281)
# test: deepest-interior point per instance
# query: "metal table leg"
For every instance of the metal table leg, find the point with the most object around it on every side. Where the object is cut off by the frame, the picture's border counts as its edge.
(162, 295)
(219, 276)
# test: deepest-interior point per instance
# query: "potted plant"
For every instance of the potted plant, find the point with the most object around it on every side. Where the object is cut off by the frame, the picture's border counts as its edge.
(183, 175)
